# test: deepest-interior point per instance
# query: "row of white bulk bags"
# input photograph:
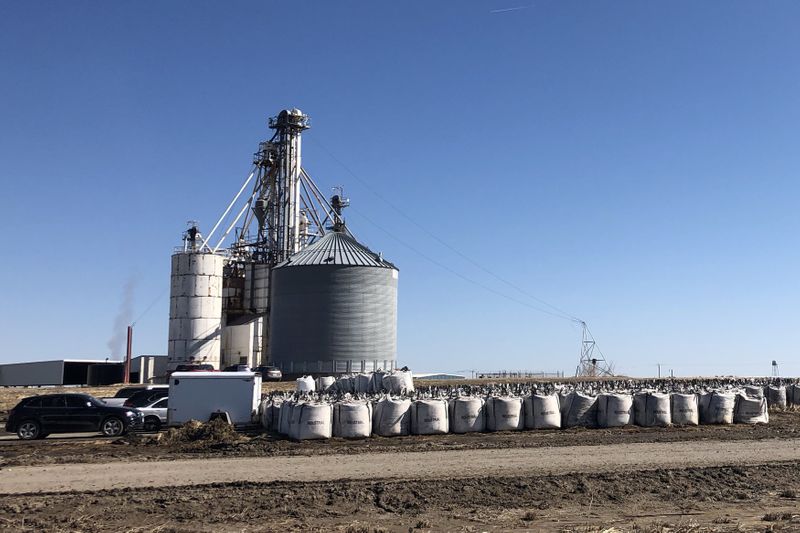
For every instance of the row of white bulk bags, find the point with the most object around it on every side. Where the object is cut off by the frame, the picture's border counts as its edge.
(392, 417)
(504, 413)
(652, 409)
(311, 420)
(325, 383)
(430, 417)
(717, 407)
(352, 419)
(614, 410)
(685, 409)
(305, 384)
(749, 410)
(467, 414)
(776, 396)
(579, 409)
(542, 411)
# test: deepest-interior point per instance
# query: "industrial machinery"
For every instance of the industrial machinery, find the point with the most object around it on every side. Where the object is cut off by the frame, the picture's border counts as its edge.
(221, 299)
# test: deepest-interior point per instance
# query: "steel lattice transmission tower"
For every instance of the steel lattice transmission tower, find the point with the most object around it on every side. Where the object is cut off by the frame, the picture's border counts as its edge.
(592, 363)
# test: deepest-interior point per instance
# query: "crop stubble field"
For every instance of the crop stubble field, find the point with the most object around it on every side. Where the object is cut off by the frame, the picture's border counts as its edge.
(697, 491)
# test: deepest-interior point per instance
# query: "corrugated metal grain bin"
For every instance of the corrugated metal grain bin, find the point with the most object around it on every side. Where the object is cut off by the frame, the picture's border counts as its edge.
(334, 309)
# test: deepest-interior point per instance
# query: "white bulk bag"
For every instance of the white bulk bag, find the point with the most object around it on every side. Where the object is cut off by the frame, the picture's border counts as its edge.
(352, 420)
(361, 383)
(562, 402)
(793, 395)
(344, 384)
(408, 379)
(504, 413)
(325, 383)
(750, 410)
(391, 417)
(285, 417)
(776, 396)
(429, 417)
(652, 409)
(270, 413)
(717, 407)
(305, 384)
(264, 413)
(467, 414)
(754, 391)
(311, 421)
(376, 382)
(614, 410)
(579, 409)
(542, 411)
(685, 409)
(398, 382)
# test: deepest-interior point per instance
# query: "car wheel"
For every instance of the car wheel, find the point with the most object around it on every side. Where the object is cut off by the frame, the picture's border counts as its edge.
(112, 427)
(29, 430)
(152, 423)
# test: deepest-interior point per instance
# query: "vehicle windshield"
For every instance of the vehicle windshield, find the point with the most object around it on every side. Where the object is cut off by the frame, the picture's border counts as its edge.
(127, 392)
(147, 397)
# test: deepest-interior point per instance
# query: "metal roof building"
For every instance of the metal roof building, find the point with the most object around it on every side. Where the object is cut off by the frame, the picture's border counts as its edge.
(61, 372)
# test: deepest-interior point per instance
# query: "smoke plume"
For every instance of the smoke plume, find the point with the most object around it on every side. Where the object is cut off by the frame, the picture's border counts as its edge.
(119, 335)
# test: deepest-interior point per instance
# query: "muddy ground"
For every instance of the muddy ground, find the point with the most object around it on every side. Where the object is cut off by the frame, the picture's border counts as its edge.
(146, 447)
(756, 498)
(729, 498)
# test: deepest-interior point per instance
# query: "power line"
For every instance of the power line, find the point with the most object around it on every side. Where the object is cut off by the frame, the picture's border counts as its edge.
(443, 242)
(454, 272)
(149, 307)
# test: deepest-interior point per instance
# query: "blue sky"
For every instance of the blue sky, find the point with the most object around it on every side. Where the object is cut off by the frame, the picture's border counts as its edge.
(634, 163)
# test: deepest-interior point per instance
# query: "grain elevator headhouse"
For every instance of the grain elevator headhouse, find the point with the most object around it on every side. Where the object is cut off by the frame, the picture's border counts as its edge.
(227, 285)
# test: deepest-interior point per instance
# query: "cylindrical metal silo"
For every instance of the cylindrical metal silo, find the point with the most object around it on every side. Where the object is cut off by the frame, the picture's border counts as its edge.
(334, 309)
(256, 287)
(195, 316)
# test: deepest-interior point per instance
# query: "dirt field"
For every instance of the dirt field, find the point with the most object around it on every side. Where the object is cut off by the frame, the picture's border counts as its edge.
(755, 498)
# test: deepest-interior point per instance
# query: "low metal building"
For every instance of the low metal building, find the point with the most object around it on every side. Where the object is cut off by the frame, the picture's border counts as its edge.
(61, 372)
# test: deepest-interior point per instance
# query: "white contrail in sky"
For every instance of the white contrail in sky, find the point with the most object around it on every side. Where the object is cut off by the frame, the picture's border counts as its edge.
(507, 9)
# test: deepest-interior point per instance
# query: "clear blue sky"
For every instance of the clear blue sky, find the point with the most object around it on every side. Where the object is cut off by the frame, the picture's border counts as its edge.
(632, 162)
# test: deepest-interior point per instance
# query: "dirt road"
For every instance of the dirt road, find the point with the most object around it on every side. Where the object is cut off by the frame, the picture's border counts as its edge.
(406, 465)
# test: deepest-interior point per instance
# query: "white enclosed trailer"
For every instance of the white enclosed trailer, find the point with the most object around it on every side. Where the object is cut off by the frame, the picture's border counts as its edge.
(198, 395)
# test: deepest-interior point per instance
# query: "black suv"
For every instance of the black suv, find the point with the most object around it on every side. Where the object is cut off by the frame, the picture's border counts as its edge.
(38, 416)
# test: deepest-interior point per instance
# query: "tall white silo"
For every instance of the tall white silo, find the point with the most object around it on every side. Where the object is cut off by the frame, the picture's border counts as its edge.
(195, 318)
